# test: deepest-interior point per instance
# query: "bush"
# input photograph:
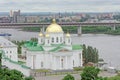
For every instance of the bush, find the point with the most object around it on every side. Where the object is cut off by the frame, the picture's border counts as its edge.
(68, 77)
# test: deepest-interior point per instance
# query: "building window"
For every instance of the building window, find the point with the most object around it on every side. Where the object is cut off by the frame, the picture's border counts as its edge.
(62, 63)
(52, 39)
(41, 40)
(41, 64)
(73, 63)
(10, 51)
(10, 56)
(60, 39)
(68, 40)
(56, 39)
(48, 41)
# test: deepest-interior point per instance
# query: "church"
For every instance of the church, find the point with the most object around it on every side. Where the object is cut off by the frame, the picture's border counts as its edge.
(54, 50)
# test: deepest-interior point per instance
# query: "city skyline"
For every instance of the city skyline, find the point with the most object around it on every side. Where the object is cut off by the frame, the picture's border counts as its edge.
(60, 6)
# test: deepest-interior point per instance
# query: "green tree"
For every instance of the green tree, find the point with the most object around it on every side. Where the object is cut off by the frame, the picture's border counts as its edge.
(90, 54)
(0, 58)
(90, 73)
(68, 77)
(6, 74)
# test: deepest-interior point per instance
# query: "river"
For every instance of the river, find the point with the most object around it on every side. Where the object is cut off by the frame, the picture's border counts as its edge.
(107, 45)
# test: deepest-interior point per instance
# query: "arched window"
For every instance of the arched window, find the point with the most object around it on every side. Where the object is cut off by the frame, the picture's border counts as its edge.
(41, 64)
(62, 63)
(60, 39)
(52, 39)
(73, 63)
(56, 39)
(48, 41)
(10, 56)
(68, 40)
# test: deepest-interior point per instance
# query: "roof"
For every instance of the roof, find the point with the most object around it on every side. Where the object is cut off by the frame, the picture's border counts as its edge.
(6, 43)
(54, 27)
(76, 47)
(32, 46)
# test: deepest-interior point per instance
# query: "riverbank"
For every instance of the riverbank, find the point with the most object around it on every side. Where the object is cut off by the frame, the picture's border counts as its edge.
(85, 30)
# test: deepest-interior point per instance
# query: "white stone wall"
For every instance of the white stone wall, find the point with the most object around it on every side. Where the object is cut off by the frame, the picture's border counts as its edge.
(68, 41)
(77, 57)
(41, 40)
(34, 60)
(53, 60)
(11, 52)
(60, 37)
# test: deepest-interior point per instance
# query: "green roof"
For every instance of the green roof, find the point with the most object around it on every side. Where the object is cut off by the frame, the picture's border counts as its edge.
(35, 48)
(32, 46)
(76, 47)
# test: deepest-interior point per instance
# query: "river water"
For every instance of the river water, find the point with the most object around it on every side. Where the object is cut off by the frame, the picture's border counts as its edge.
(107, 45)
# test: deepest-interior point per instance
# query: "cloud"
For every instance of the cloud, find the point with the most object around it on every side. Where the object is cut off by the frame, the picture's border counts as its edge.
(60, 5)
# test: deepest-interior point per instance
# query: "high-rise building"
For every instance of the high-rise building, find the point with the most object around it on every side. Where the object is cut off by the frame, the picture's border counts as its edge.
(13, 15)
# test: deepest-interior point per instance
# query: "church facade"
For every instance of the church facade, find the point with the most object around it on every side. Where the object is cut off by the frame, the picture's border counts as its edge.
(54, 50)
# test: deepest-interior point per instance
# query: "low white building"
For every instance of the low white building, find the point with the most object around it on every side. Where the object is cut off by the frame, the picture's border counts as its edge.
(9, 49)
(54, 50)
(10, 56)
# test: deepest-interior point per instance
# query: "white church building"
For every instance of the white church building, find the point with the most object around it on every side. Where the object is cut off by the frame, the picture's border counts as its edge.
(54, 50)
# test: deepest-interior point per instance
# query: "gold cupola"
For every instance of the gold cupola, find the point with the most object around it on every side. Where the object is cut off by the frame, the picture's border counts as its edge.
(54, 27)
(41, 34)
(67, 34)
(47, 35)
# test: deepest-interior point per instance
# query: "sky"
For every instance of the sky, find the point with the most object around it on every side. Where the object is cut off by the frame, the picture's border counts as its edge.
(60, 5)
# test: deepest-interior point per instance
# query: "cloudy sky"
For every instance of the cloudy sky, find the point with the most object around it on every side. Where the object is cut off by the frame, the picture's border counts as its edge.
(60, 5)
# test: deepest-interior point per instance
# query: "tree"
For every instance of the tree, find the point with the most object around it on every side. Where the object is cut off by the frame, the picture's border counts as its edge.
(0, 59)
(68, 77)
(6, 74)
(90, 73)
(90, 54)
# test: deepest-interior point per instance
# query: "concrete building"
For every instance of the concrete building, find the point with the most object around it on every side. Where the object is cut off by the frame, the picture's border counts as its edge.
(13, 15)
(21, 19)
(32, 19)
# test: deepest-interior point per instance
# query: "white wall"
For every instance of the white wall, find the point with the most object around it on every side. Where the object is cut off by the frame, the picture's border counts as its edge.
(11, 52)
(55, 35)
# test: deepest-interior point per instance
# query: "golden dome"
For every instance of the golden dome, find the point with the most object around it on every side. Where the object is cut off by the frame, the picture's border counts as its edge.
(54, 27)
(41, 34)
(67, 35)
(47, 35)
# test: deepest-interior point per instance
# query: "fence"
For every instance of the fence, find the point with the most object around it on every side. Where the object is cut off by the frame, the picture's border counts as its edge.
(36, 74)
